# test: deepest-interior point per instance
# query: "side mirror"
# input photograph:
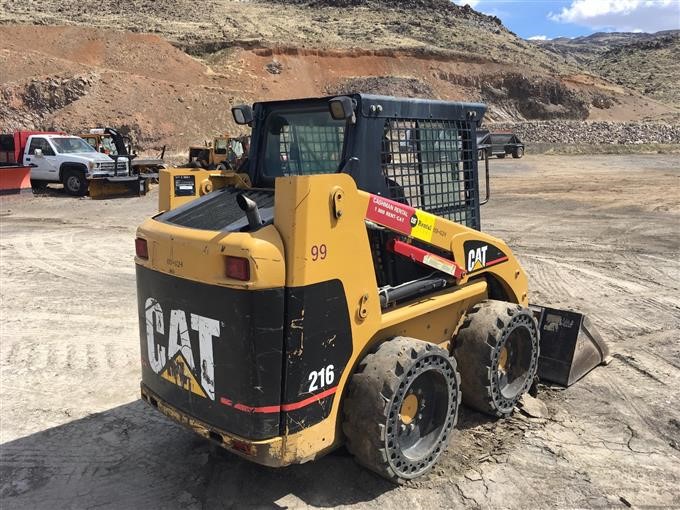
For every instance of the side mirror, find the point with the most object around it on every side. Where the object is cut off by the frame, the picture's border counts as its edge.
(38, 153)
(243, 114)
(341, 107)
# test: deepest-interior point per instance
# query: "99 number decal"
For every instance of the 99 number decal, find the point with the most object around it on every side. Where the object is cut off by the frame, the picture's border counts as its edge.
(321, 378)
(319, 252)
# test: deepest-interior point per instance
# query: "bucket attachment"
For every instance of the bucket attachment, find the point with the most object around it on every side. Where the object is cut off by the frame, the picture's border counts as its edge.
(118, 187)
(570, 345)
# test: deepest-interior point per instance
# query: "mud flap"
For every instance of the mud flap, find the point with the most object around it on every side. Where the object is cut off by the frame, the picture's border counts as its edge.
(570, 345)
(118, 187)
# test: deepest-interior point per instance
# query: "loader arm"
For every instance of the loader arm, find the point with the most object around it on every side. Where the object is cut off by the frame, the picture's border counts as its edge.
(475, 254)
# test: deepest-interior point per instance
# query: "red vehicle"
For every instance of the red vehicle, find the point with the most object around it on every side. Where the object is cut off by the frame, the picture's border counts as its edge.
(15, 177)
(12, 146)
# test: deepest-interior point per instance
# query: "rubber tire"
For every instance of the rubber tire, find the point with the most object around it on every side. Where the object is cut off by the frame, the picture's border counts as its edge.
(477, 347)
(377, 389)
(38, 186)
(82, 180)
(519, 152)
(500, 156)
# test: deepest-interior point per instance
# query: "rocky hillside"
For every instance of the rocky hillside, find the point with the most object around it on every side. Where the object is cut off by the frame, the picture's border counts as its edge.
(648, 63)
(168, 70)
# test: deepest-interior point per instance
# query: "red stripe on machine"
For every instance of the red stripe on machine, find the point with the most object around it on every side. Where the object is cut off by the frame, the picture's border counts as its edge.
(497, 261)
(310, 400)
(278, 408)
(428, 259)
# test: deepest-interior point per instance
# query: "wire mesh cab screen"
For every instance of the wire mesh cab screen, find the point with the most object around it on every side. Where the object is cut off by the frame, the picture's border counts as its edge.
(302, 143)
(429, 164)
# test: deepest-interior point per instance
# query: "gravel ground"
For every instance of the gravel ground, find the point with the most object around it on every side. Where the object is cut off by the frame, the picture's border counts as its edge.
(597, 233)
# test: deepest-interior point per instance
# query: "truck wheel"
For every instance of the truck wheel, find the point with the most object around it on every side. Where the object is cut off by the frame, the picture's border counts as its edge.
(500, 156)
(497, 351)
(519, 152)
(401, 407)
(75, 183)
(38, 186)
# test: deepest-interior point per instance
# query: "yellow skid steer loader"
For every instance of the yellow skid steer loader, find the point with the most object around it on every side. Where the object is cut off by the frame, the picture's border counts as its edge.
(340, 290)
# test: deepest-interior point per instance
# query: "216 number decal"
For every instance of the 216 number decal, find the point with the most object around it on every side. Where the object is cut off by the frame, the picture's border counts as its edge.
(319, 252)
(320, 378)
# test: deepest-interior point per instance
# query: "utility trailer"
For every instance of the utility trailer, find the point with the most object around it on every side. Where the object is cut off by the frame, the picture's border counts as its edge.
(499, 144)
(340, 290)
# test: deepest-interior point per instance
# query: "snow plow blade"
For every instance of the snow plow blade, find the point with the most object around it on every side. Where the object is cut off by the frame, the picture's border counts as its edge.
(118, 187)
(570, 345)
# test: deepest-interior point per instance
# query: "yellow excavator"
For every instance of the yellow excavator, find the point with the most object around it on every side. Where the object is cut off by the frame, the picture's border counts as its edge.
(222, 153)
(338, 289)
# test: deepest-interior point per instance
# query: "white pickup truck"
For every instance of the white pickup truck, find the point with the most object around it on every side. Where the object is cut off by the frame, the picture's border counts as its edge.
(71, 161)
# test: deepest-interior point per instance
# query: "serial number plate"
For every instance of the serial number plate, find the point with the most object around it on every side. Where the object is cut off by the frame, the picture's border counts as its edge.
(185, 185)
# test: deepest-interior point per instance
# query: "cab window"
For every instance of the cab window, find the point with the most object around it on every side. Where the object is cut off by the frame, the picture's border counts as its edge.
(108, 146)
(302, 143)
(43, 145)
(92, 141)
(221, 146)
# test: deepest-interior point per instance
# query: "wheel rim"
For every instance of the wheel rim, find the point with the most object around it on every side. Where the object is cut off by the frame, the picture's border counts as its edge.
(73, 183)
(409, 408)
(515, 362)
(422, 414)
(418, 432)
(503, 359)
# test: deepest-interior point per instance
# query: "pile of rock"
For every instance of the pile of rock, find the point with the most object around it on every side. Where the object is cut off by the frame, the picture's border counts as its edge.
(383, 85)
(51, 94)
(27, 105)
(593, 133)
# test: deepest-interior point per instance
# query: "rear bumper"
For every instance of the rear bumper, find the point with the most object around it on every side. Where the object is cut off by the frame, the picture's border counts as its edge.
(268, 452)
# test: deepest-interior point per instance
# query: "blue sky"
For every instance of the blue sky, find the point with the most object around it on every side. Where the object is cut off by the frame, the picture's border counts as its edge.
(572, 18)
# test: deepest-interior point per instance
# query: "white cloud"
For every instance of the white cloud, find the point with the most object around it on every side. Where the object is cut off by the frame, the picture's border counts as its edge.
(538, 38)
(471, 3)
(622, 15)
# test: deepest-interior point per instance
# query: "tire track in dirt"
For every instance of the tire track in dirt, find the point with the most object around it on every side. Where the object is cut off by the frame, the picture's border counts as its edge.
(60, 255)
(638, 307)
(59, 357)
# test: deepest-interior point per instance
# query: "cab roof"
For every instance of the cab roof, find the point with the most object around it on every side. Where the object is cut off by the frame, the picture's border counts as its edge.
(377, 106)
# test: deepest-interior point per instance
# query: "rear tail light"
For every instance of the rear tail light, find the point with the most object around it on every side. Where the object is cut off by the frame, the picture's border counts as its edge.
(141, 248)
(238, 268)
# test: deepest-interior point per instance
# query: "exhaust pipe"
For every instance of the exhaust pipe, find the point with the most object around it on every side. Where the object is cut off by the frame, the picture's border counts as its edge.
(249, 206)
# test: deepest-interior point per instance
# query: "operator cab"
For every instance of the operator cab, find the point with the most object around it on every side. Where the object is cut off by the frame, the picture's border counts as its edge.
(421, 153)
(408, 150)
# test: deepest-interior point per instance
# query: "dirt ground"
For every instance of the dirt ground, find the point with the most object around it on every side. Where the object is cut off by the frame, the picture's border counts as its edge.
(600, 234)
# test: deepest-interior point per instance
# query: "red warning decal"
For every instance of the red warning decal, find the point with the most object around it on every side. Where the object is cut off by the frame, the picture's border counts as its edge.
(391, 214)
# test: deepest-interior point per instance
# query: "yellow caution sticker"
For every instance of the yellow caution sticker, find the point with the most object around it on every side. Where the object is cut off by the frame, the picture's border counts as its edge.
(422, 225)
(179, 373)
